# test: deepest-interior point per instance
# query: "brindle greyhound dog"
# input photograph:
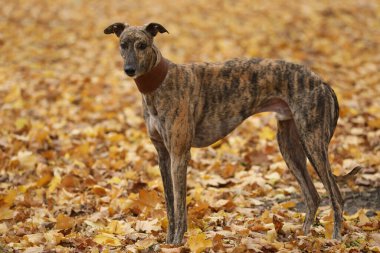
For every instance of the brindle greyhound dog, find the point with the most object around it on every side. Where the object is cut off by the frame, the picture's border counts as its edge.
(194, 105)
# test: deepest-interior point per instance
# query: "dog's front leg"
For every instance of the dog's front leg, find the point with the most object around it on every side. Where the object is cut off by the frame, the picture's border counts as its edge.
(179, 163)
(179, 131)
(164, 164)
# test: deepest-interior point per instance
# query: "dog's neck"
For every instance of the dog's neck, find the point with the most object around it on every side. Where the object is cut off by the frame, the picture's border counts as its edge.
(151, 80)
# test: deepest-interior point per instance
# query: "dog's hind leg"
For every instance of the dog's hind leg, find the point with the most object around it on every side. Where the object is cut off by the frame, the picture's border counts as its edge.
(316, 123)
(295, 158)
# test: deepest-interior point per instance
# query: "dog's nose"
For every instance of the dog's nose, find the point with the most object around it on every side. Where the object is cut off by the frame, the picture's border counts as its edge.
(130, 71)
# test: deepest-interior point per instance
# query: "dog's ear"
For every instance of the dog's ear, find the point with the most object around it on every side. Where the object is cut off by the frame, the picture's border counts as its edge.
(154, 28)
(116, 28)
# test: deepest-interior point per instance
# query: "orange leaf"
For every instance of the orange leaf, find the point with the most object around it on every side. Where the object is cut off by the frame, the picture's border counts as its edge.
(10, 197)
(98, 190)
(217, 242)
(45, 179)
(64, 222)
(288, 204)
(375, 123)
(149, 198)
(70, 181)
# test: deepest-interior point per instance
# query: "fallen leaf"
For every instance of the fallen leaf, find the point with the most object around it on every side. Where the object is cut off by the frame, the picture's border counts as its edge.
(278, 224)
(251, 244)
(169, 248)
(363, 219)
(53, 237)
(328, 223)
(64, 222)
(34, 249)
(374, 123)
(35, 239)
(98, 190)
(10, 197)
(146, 243)
(70, 181)
(107, 239)
(119, 227)
(3, 228)
(273, 177)
(54, 183)
(148, 225)
(198, 242)
(217, 243)
(45, 179)
(27, 159)
(5, 213)
(288, 204)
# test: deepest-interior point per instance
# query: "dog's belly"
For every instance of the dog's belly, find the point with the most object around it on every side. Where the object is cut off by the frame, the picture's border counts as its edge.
(218, 126)
(210, 132)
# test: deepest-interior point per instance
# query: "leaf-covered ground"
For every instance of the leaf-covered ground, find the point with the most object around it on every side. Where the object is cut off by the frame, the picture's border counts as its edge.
(78, 173)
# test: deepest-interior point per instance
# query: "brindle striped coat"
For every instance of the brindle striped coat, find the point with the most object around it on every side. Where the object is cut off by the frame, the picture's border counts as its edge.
(200, 103)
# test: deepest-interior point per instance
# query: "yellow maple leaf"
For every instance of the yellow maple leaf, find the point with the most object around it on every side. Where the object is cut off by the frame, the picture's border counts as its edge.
(107, 239)
(118, 227)
(198, 242)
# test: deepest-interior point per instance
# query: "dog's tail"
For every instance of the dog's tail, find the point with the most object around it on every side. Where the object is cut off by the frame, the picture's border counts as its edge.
(348, 176)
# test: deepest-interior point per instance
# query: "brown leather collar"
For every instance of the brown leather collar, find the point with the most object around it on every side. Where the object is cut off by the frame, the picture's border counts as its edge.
(151, 80)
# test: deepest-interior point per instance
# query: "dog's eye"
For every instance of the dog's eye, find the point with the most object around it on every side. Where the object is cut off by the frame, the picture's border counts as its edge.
(141, 46)
(123, 45)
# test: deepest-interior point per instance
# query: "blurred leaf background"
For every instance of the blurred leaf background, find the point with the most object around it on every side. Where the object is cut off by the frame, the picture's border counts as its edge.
(77, 171)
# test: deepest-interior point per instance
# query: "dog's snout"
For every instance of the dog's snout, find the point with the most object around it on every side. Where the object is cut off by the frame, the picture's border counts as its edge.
(130, 71)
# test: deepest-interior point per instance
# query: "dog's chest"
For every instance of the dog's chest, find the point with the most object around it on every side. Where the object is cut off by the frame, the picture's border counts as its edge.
(152, 105)
(156, 115)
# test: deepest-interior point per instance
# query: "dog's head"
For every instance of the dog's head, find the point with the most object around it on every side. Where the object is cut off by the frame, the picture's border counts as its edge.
(136, 46)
